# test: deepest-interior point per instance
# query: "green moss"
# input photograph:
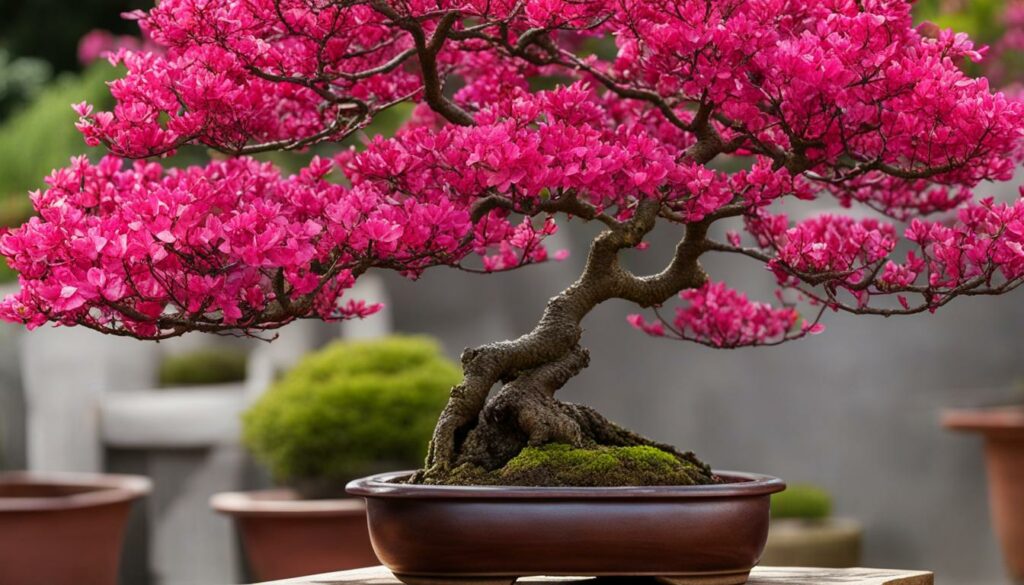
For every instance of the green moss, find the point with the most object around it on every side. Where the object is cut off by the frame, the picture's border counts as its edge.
(802, 501)
(560, 465)
(219, 365)
(351, 409)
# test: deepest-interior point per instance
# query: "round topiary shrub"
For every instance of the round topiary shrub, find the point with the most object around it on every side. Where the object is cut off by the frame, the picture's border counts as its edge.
(349, 410)
(805, 502)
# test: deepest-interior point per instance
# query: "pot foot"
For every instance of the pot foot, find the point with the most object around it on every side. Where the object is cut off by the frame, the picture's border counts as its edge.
(719, 579)
(427, 580)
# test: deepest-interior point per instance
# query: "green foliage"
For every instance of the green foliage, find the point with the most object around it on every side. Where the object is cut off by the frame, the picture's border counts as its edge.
(351, 409)
(219, 365)
(21, 79)
(978, 18)
(805, 502)
(42, 136)
(561, 465)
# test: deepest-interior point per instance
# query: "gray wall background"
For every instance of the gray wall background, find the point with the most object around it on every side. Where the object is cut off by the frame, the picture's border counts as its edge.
(855, 409)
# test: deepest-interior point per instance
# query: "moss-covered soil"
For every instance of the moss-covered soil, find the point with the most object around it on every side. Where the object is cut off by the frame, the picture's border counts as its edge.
(560, 465)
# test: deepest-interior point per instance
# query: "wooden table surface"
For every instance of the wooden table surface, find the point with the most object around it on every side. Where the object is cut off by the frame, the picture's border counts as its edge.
(759, 576)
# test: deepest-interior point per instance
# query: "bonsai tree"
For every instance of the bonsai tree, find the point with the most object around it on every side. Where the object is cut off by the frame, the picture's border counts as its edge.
(842, 98)
(349, 408)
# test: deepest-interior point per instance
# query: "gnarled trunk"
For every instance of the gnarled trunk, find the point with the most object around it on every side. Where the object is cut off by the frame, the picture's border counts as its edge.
(488, 430)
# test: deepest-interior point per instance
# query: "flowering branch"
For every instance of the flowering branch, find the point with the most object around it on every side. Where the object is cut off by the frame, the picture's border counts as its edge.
(840, 99)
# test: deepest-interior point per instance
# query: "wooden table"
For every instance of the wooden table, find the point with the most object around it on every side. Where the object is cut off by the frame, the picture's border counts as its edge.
(759, 576)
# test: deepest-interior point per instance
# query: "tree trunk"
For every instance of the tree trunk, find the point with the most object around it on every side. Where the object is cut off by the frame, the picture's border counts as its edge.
(487, 431)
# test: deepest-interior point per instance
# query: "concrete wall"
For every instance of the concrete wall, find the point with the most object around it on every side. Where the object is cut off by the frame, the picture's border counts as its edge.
(12, 402)
(854, 409)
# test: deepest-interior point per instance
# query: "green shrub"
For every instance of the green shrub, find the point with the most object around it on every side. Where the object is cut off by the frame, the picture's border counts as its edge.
(806, 502)
(351, 409)
(42, 136)
(981, 19)
(207, 366)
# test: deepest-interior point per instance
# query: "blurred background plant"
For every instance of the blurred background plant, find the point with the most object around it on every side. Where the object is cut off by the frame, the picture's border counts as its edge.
(804, 532)
(351, 409)
(212, 365)
(808, 502)
(21, 80)
(981, 19)
(41, 136)
(999, 24)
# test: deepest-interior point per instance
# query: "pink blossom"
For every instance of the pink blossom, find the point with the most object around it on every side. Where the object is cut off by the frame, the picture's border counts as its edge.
(807, 99)
(718, 316)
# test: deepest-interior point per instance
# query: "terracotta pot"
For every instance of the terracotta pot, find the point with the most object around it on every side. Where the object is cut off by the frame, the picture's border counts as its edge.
(285, 536)
(825, 542)
(1003, 430)
(64, 527)
(709, 535)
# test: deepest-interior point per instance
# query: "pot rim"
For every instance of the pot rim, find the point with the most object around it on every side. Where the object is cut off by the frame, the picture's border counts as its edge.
(984, 419)
(741, 484)
(278, 502)
(99, 489)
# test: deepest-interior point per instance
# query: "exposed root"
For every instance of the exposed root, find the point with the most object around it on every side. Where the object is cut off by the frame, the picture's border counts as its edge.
(518, 417)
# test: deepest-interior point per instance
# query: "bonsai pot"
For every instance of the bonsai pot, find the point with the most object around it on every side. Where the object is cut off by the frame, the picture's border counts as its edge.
(822, 542)
(285, 536)
(710, 534)
(64, 527)
(1003, 430)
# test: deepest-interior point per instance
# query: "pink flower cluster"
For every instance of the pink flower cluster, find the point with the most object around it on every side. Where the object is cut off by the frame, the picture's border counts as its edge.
(980, 252)
(232, 244)
(719, 316)
(828, 81)
(548, 144)
(837, 246)
(259, 74)
(987, 241)
(807, 97)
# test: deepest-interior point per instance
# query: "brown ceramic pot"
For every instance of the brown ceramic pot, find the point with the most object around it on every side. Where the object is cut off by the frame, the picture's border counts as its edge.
(707, 535)
(1003, 430)
(285, 536)
(64, 527)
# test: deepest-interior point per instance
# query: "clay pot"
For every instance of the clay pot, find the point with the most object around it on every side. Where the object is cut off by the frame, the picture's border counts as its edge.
(709, 535)
(1003, 430)
(64, 527)
(285, 536)
(825, 542)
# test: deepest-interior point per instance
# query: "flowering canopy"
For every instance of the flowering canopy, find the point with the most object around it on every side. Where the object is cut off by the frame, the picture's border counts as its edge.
(833, 98)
